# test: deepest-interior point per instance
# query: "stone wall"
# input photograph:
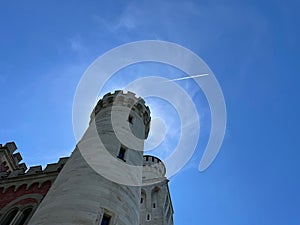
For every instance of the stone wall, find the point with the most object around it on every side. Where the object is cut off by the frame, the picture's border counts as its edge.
(20, 187)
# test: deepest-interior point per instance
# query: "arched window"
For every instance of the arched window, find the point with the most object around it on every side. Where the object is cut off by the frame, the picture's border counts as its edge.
(25, 215)
(122, 153)
(143, 198)
(9, 217)
(154, 197)
(148, 217)
(105, 219)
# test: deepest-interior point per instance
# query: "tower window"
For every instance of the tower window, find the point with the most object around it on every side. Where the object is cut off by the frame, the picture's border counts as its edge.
(121, 154)
(148, 217)
(105, 219)
(130, 119)
(154, 205)
(142, 200)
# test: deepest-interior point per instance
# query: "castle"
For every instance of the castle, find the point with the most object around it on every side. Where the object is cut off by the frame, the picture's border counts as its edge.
(107, 180)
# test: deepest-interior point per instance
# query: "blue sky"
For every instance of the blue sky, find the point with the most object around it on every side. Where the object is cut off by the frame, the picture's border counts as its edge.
(252, 47)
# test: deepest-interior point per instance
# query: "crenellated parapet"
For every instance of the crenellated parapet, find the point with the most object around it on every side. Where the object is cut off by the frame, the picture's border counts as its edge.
(33, 175)
(15, 174)
(155, 205)
(10, 161)
(125, 99)
(153, 168)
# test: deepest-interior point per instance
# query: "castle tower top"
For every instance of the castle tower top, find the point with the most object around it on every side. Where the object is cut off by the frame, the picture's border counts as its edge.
(125, 99)
(153, 168)
(101, 182)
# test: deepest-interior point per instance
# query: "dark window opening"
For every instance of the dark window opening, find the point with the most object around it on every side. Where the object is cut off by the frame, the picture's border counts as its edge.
(121, 154)
(105, 219)
(142, 200)
(148, 217)
(25, 215)
(154, 205)
(10, 217)
(130, 119)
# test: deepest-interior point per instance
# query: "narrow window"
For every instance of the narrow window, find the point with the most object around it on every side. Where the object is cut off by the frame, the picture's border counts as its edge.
(154, 197)
(143, 199)
(105, 219)
(130, 119)
(121, 154)
(25, 214)
(11, 215)
(148, 217)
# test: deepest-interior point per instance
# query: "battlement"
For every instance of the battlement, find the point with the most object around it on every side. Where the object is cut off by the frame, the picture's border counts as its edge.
(10, 165)
(53, 167)
(34, 175)
(125, 99)
(153, 168)
(34, 170)
(10, 161)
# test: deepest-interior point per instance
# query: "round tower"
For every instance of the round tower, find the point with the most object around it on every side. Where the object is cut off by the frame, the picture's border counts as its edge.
(153, 169)
(100, 183)
(155, 204)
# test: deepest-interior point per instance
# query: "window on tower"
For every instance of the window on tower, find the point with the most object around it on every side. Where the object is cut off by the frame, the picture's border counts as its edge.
(130, 119)
(148, 217)
(143, 198)
(105, 219)
(121, 154)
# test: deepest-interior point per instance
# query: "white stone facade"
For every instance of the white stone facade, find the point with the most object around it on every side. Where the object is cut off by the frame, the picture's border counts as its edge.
(155, 206)
(81, 196)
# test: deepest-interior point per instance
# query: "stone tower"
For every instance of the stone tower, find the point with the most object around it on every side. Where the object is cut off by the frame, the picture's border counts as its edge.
(84, 193)
(155, 205)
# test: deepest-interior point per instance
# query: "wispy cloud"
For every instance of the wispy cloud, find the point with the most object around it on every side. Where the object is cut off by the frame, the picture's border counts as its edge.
(76, 45)
(143, 17)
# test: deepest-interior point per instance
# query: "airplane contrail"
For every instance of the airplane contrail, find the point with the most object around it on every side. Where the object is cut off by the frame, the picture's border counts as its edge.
(188, 77)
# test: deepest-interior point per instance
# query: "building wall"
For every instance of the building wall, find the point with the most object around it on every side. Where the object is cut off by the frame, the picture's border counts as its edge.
(82, 196)
(71, 192)
(22, 190)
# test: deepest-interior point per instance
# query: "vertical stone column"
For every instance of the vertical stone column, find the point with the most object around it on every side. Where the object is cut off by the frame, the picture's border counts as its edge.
(91, 186)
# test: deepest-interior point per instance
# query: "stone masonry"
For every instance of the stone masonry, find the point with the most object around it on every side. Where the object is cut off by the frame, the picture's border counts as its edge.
(84, 188)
